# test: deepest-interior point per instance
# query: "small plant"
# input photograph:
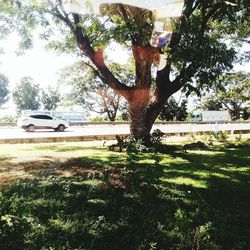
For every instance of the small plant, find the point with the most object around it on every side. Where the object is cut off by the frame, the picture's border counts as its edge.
(192, 137)
(156, 137)
(8, 119)
(99, 119)
(136, 146)
(238, 138)
(207, 137)
(203, 238)
(220, 136)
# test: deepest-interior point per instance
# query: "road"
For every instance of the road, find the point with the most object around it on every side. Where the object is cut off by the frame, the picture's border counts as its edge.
(89, 130)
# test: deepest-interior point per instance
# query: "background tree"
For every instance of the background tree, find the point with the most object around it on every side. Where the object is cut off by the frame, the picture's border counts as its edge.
(197, 53)
(231, 91)
(50, 98)
(4, 91)
(173, 112)
(91, 93)
(26, 95)
(182, 113)
(209, 103)
(246, 113)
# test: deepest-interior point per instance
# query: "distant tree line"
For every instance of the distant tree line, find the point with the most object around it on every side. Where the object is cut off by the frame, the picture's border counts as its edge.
(230, 92)
(29, 96)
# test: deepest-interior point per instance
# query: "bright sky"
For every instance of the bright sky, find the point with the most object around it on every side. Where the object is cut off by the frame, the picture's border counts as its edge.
(38, 63)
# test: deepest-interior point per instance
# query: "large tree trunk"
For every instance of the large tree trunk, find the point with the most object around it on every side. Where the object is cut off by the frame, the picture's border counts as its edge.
(137, 109)
(142, 114)
(139, 128)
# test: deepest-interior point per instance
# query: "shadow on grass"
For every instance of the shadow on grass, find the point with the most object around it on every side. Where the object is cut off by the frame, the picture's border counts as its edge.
(63, 148)
(194, 201)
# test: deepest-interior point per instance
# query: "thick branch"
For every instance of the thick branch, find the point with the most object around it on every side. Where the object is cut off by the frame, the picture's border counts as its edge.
(97, 58)
(187, 72)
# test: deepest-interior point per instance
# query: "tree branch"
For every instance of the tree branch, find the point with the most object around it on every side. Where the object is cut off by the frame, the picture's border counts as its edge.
(96, 57)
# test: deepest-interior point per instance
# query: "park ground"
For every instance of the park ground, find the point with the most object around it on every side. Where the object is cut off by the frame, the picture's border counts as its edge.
(80, 196)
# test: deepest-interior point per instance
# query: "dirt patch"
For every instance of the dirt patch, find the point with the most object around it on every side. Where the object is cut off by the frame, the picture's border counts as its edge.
(11, 171)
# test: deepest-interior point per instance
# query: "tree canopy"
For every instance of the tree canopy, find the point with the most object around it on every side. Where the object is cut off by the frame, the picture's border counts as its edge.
(4, 90)
(91, 93)
(172, 111)
(231, 91)
(205, 42)
(26, 95)
(50, 98)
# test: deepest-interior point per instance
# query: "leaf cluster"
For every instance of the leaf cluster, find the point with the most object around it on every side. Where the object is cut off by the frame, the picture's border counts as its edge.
(26, 95)
(4, 90)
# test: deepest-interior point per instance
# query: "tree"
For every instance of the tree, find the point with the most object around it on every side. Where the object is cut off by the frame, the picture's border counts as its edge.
(4, 91)
(230, 91)
(210, 103)
(26, 95)
(169, 110)
(91, 93)
(50, 99)
(233, 91)
(197, 53)
(173, 112)
(182, 112)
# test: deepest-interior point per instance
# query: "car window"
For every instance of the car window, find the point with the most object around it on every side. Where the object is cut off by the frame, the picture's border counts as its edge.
(46, 117)
(36, 116)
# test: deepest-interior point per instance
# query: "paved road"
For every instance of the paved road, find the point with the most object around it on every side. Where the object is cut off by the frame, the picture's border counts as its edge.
(88, 130)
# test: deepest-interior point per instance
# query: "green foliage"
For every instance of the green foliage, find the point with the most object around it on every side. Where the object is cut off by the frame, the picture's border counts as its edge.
(156, 136)
(199, 42)
(246, 113)
(230, 91)
(4, 91)
(50, 99)
(26, 95)
(238, 138)
(90, 92)
(99, 119)
(137, 24)
(173, 112)
(123, 116)
(134, 148)
(209, 103)
(220, 136)
(8, 119)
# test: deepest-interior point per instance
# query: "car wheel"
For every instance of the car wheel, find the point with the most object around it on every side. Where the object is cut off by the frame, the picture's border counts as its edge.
(61, 128)
(31, 128)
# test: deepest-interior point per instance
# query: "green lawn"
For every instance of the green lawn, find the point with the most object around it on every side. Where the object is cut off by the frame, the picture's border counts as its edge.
(80, 196)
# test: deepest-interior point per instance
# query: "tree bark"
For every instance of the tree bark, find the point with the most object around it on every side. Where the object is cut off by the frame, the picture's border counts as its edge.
(137, 108)
(138, 123)
(143, 113)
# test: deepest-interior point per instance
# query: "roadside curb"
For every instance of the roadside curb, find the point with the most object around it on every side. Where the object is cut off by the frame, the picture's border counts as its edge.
(99, 137)
(60, 139)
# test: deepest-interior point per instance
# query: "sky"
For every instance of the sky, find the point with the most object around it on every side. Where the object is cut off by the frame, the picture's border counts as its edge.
(38, 63)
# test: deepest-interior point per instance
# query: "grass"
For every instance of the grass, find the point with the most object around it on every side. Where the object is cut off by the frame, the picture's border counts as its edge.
(80, 196)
